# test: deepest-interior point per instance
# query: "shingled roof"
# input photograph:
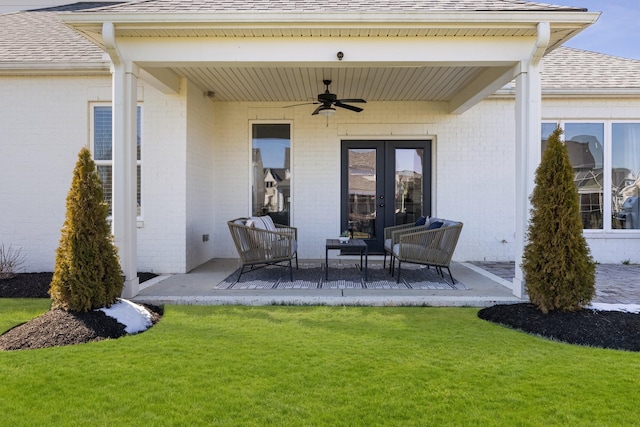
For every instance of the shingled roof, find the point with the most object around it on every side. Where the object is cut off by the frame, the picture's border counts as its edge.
(173, 6)
(40, 37)
(37, 39)
(569, 68)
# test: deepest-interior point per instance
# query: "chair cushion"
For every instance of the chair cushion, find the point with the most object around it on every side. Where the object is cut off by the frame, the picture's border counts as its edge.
(449, 223)
(387, 244)
(263, 222)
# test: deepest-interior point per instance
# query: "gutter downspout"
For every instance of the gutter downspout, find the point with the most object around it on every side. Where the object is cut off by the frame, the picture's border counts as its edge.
(528, 144)
(124, 133)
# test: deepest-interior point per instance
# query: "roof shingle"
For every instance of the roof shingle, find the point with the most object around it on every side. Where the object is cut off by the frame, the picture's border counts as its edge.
(570, 68)
(41, 37)
(175, 6)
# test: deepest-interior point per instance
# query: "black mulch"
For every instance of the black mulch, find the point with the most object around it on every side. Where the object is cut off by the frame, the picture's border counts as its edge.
(59, 327)
(604, 329)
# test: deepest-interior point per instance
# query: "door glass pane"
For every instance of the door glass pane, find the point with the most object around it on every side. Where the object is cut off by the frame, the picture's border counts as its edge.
(271, 186)
(409, 185)
(584, 143)
(362, 192)
(625, 175)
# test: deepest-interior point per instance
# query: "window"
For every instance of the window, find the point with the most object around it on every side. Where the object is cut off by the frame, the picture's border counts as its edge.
(103, 152)
(625, 175)
(271, 185)
(604, 155)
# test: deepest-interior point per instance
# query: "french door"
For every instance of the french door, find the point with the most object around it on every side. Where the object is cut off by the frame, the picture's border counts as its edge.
(384, 183)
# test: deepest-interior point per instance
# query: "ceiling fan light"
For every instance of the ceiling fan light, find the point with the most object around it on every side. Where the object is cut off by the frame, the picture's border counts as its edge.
(327, 111)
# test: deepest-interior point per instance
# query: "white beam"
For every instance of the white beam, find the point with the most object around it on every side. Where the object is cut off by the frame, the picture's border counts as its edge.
(124, 174)
(165, 80)
(487, 83)
(125, 83)
(528, 146)
(313, 51)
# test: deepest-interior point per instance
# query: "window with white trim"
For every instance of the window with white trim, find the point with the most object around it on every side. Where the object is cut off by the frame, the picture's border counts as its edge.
(604, 155)
(271, 183)
(102, 149)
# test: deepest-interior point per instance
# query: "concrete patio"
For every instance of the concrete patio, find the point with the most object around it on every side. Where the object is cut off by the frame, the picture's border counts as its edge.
(199, 287)
(488, 284)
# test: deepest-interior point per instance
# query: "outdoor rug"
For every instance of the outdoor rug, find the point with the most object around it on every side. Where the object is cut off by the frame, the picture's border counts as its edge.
(341, 276)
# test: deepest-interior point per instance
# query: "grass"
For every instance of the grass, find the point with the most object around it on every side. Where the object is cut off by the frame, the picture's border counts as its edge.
(316, 366)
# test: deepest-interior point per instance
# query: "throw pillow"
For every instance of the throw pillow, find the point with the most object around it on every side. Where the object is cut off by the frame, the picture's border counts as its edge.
(421, 221)
(434, 225)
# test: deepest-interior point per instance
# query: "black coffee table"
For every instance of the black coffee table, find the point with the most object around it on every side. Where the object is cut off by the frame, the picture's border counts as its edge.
(352, 245)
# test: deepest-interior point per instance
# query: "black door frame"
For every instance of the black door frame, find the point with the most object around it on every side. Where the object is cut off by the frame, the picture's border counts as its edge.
(385, 182)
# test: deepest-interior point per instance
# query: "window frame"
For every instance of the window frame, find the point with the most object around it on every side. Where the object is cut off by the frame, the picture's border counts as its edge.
(607, 229)
(139, 162)
(291, 167)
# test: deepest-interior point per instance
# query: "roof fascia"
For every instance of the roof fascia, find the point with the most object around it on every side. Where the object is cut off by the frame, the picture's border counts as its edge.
(577, 93)
(57, 68)
(334, 19)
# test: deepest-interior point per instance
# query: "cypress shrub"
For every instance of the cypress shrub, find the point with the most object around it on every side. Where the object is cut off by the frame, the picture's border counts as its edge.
(558, 269)
(87, 273)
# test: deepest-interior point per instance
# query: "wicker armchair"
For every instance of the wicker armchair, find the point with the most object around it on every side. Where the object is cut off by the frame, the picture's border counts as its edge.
(392, 238)
(430, 247)
(260, 242)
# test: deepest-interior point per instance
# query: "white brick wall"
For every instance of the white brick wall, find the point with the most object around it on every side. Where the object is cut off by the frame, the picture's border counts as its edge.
(200, 184)
(467, 151)
(161, 240)
(43, 125)
(196, 163)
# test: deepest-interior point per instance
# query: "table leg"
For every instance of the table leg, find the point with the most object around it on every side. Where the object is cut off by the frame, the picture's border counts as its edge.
(326, 264)
(366, 262)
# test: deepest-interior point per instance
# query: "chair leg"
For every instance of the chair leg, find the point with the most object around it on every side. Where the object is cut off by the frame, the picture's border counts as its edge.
(290, 271)
(384, 260)
(453, 282)
(240, 275)
(399, 266)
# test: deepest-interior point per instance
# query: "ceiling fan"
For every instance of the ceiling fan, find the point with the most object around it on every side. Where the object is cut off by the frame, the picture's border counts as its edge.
(328, 101)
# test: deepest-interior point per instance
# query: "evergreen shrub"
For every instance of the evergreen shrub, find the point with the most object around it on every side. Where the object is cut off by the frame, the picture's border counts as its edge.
(558, 269)
(87, 272)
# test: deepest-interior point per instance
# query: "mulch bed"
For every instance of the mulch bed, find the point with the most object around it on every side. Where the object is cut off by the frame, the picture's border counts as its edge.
(59, 327)
(606, 329)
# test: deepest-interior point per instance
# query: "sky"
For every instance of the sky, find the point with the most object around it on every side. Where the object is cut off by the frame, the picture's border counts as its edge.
(617, 32)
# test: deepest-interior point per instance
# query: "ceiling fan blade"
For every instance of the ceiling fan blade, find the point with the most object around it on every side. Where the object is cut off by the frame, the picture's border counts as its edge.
(296, 105)
(352, 100)
(348, 107)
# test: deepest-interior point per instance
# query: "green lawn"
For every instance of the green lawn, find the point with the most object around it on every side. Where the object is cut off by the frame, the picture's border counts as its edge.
(294, 366)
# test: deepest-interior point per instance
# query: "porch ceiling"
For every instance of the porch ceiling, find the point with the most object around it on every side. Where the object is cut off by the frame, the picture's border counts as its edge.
(301, 84)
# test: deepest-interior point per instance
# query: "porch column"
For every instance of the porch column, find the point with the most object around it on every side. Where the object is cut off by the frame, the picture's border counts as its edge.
(528, 145)
(125, 99)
